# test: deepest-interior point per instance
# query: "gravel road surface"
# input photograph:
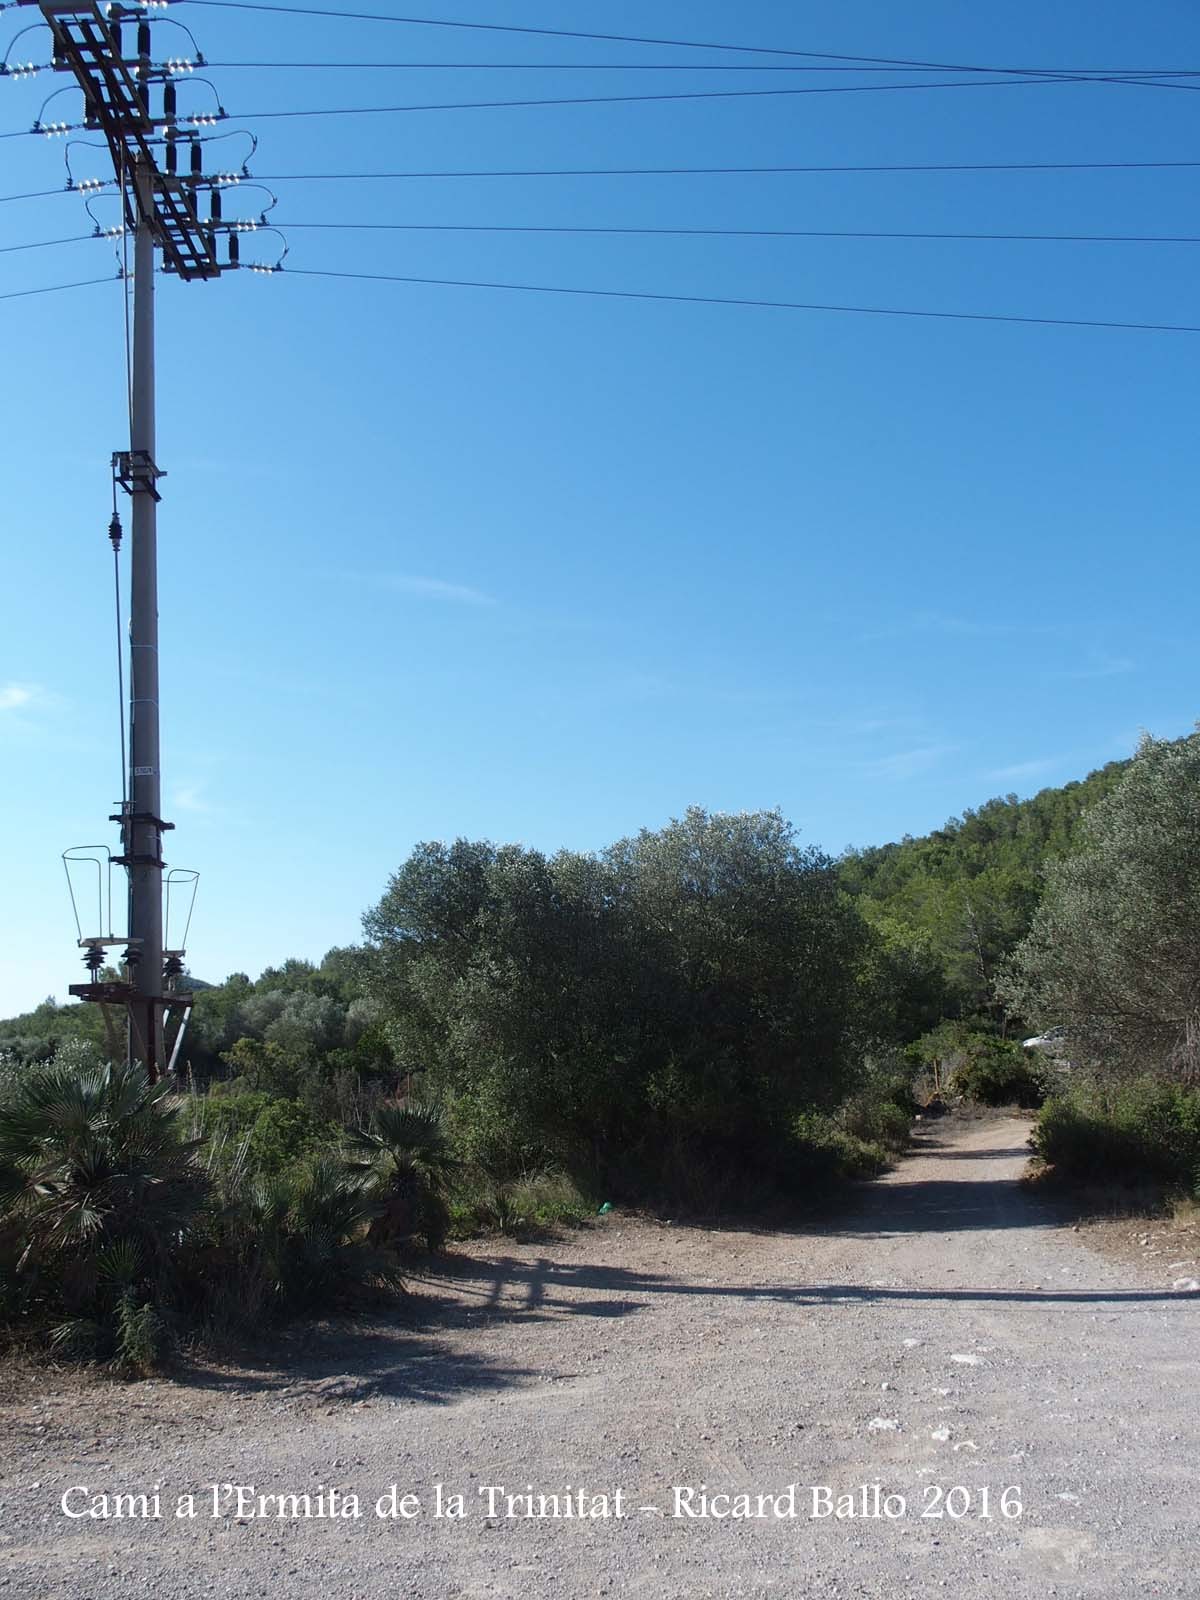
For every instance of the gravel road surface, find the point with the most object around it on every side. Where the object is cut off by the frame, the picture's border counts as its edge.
(947, 1339)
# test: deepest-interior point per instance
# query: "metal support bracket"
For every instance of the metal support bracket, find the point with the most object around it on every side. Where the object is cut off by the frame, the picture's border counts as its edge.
(143, 817)
(135, 471)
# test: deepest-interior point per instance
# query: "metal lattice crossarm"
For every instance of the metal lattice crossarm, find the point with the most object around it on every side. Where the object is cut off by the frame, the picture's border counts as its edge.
(116, 93)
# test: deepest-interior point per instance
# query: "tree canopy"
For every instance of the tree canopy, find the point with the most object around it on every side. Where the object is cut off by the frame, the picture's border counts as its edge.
(692, 986)
(1113, 953)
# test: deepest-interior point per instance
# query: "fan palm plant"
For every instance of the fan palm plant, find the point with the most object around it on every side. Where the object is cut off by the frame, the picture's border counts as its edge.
(407, 1162)
(305, 1233)
(98, 1187)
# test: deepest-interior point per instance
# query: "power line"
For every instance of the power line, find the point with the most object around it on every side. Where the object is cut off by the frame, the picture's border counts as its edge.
(674, 299)
(612, 38)
(699, 94)
(1100, 73)
(56, 288)
(676, 172)
(39, 194)
(732, 233)
(681, 233)
(631, 99)
(722, 300)
(45, 244)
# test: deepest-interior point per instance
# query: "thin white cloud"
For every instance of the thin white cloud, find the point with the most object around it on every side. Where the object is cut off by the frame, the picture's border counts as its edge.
(963, 627)
(437, 589)
(938, 623)
(187, 797)
(14, 696)
(1022, 769)
(1102, 665)
(867, 726)
(908, 763)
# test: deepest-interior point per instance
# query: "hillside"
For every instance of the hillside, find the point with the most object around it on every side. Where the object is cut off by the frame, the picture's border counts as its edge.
(956, 901)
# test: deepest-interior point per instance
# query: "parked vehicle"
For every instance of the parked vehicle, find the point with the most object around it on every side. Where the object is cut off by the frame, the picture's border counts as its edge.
(1052, 1041)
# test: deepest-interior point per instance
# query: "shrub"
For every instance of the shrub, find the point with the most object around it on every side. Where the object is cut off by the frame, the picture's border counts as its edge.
(268, 1134)
(826, 1154)
(549, 1200)
(224, 1117)
(284, 1243)
(881, 1113)
(537, 1201)
(406, 1162)
(118, 1232)
(997, 1072)
(97, 1183)
(284, 1133)
(1147, 1131)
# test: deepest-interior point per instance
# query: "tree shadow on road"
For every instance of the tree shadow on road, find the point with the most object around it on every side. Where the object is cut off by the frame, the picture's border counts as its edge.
(341, 1364)
(1009, 1153)
(569, 1289)
(938, 1205)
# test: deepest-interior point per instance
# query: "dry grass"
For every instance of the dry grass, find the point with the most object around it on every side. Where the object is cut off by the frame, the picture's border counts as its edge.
(1164, 1241)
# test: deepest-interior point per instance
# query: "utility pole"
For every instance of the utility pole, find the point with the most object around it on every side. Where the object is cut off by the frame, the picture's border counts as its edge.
(161, 209)
(143, 826)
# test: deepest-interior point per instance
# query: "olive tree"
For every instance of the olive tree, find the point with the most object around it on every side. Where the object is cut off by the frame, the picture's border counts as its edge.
(1114, 951)
(688, 990)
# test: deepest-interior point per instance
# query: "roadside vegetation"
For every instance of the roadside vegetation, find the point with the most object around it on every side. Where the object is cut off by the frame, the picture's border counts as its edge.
(708, 1017)
(1113, 957)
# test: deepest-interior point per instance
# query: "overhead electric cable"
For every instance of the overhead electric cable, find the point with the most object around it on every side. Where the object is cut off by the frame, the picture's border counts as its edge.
(55, 288)
(672, 233)
(724, 300)
(129, 286)
(739, 233)
(114, 534)
(45, 244)
(612, 38)
(677, 172)
(39, 194)
(697, 94)
(666, 66)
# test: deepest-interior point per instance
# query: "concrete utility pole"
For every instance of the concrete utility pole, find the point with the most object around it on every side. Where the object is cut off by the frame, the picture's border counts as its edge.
(143, 827)
(161, 209)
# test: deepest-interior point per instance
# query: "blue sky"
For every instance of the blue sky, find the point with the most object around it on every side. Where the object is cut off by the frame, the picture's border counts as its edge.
(441, 561)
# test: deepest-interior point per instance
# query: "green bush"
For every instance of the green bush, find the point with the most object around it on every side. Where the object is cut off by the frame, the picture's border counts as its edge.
(881, 1113)
(997, 1072)
(284, 1133)
(1147, 1131)
(223, 1114)
(97, 1183)
(268, 1134)
(277, 1245)
(119, 1232)
(406, 1161)
(535, 1202)
(826, 1154)
(550, 1200)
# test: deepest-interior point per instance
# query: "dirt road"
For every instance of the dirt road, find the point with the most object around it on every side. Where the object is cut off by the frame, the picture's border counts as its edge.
(946, 1338)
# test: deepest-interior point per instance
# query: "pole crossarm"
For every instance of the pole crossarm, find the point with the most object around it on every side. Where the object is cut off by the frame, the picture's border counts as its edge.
(116, 95)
